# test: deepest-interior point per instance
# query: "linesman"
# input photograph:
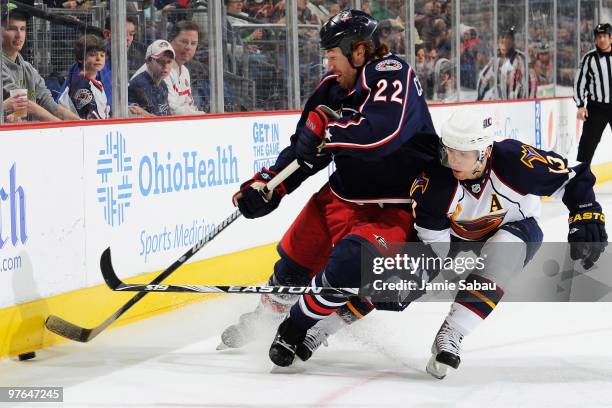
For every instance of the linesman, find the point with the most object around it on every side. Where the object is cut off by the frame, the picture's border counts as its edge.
(593, 92)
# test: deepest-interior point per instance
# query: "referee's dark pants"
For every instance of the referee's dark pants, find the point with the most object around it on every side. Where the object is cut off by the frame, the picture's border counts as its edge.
(600, 115)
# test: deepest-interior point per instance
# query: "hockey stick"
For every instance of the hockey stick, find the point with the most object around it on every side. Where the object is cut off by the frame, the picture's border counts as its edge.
(116, 284)
(77, 333)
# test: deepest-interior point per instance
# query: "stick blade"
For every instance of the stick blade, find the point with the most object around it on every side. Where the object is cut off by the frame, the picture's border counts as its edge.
(108, 272)
(68, 330)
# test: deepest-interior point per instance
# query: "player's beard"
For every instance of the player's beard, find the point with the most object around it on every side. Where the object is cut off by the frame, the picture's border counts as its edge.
(347, 80)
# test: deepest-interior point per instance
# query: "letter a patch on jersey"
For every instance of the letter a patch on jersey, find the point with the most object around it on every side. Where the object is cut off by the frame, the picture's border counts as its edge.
(495, 204)
(530, 155)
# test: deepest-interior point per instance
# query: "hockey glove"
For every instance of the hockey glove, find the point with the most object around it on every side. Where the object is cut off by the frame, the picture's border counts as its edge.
(394, 301)
(587, 235)
(250, 199)
(309, 139)
(412, 281)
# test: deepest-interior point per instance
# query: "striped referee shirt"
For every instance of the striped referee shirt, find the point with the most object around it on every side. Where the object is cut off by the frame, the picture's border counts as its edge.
(594, 78)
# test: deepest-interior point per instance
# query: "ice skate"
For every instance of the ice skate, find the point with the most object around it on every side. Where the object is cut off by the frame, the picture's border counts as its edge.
(446, 351)
(314, 338)
(268, 313)
(288, 336)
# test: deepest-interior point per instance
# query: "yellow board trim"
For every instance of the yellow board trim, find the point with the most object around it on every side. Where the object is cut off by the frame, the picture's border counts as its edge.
(603, 172)
(22, 326)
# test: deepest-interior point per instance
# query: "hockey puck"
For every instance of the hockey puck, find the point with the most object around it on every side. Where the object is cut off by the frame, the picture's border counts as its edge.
(27, 356)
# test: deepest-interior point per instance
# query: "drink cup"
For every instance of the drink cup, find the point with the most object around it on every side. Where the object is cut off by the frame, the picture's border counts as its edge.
(22, 93)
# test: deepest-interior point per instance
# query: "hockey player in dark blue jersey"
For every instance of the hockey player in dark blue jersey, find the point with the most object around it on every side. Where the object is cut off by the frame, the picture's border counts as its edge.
(487, 193)
(385, 130)
(490, 192)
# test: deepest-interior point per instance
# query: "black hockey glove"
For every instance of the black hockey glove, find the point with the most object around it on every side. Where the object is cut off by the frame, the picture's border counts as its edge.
(400, 297)
(393, 300)
(309, 140)
(250, 199)
(587, 234)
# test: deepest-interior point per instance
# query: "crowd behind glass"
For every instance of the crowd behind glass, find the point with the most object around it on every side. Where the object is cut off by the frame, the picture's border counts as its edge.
(463, 50)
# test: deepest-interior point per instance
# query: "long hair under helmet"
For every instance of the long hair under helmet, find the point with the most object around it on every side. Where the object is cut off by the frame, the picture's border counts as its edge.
(345, 27)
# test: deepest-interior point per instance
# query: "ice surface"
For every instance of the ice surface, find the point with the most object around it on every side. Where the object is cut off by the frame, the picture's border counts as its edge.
(525, 354)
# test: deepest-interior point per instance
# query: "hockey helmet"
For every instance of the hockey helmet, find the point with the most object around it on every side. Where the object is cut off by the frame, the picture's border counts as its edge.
(602, 28)
(465, 131)
(344, 28)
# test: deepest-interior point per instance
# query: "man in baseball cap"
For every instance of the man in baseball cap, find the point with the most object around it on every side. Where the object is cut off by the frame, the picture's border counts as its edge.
(148, 90)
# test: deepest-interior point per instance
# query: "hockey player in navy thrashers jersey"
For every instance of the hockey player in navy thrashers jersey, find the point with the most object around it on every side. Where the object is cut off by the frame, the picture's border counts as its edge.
(490, 192)
(385, 130)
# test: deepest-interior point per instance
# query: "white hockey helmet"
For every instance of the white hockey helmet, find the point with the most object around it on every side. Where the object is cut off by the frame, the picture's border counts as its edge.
(468, 130)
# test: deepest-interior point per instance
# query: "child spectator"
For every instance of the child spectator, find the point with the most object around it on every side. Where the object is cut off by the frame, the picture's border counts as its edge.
(85, 94)
(147, 91)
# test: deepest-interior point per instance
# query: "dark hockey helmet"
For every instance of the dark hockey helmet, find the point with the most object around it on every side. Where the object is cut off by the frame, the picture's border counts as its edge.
(603, 28)
(344, 28)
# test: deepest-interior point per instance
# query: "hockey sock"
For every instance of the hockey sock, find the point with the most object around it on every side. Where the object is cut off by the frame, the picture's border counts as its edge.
(472, 306)
(354, 310)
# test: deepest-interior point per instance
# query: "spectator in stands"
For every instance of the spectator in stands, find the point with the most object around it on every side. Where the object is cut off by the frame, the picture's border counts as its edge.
(318, 8)
(71, 4)
(305, 13)
(105, 75)
(147, 91)
(17, 73)
(507, 82)
(261, 10)
(183, 38)
(444, 84)
(85, 95)
(544, 65)
(420, 66)
(390, 33)
(236, 7)
(136, 50)
(469, 55)
(432, 57)
(173, 4)
(441, 38)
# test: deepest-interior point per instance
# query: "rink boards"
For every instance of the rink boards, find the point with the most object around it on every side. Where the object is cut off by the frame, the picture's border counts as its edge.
(150, 189)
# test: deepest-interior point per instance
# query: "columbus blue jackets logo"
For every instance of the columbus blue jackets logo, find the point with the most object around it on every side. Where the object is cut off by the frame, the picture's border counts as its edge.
(389, 65)
(82, 97)
(344, 15)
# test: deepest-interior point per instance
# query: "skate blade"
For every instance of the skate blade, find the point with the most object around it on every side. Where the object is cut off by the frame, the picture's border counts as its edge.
(436, 369)
(294, 368)
(222, 346)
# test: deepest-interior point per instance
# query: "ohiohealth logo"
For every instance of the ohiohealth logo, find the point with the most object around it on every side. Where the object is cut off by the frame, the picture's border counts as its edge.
(114, 168)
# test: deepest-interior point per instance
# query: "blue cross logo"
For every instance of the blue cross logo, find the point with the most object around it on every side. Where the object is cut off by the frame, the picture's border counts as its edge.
(114, 168)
